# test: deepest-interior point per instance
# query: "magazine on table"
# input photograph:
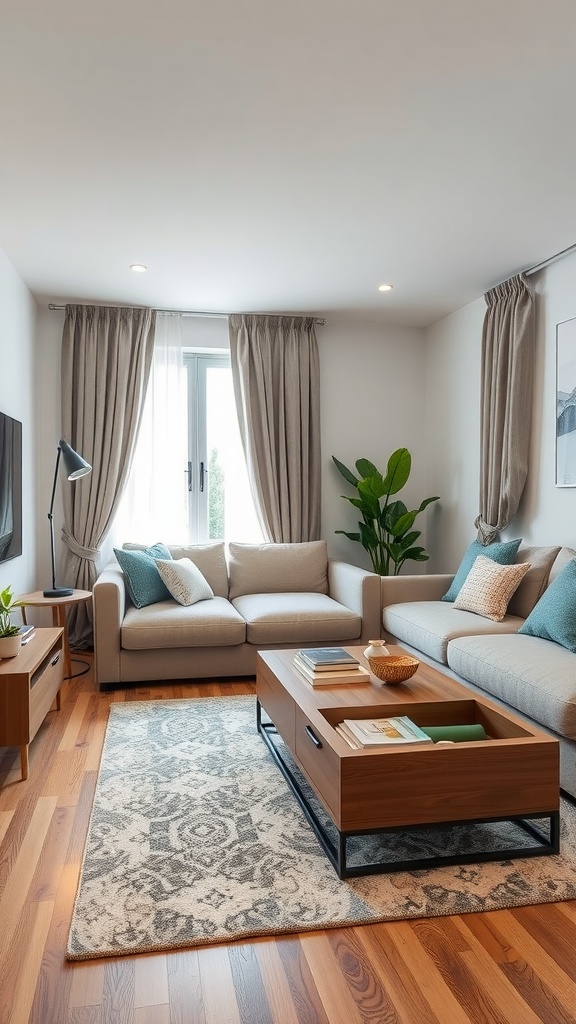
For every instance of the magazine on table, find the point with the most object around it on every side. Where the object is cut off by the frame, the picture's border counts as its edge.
(385, 731)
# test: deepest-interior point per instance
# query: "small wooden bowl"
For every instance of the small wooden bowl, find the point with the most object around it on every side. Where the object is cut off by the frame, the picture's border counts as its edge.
(393, 669)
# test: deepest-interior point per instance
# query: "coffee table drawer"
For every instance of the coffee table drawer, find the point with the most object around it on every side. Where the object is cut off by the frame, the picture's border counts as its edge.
(320, 763)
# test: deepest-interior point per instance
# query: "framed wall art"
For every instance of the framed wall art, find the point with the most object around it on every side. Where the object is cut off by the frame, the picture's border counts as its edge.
(566, 403)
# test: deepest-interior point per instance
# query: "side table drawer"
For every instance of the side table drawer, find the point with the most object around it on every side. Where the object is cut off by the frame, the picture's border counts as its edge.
(44, 686)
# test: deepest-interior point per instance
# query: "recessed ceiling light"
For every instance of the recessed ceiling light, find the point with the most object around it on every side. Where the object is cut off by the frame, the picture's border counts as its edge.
(138, 268)
(385, 288)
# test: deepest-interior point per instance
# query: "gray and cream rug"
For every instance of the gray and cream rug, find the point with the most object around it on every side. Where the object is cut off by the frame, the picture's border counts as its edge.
(196, 838)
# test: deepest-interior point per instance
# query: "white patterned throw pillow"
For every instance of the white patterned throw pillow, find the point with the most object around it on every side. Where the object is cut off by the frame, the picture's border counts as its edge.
(489, 587)
(184, 580)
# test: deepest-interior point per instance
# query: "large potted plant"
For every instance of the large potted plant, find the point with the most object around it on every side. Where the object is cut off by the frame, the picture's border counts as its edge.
(10, 642)
(385, 530)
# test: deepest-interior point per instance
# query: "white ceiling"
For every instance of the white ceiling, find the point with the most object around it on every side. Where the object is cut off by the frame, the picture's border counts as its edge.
(286, 155)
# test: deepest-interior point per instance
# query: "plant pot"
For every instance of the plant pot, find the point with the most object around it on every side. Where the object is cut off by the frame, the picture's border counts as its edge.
(10, 646)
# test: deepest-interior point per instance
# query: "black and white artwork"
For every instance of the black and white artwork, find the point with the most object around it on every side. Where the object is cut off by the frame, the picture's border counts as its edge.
(566, 403)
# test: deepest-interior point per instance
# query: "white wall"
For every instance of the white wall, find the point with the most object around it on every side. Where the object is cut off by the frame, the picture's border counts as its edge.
(452, 428)
(372, 402)
(17, 399)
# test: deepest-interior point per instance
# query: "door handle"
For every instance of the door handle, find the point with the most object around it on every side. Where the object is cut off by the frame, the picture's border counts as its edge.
(188, 472)
(203, 473)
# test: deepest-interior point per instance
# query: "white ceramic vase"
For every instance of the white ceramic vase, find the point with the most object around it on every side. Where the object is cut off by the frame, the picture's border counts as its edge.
(377, 649)
(10, 646)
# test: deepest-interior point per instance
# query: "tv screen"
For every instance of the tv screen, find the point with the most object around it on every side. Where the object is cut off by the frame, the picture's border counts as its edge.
(10, 488)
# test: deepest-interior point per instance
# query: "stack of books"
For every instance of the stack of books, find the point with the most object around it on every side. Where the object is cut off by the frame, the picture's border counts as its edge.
(381, 732)
(329, 666)
(26, 634)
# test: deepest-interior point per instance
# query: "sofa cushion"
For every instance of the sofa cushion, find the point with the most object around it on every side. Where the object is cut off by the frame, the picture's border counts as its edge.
(554, 617)
(430, 625)
(504, 553)
(206, 624)
(184, 580)
(278, 568)
(143, 581)
(296, 618)
(534, 583)
(532, 675)
(210, 559)
(488, 587)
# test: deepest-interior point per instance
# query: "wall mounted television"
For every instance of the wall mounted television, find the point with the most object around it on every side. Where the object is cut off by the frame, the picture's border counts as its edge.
(10, 487)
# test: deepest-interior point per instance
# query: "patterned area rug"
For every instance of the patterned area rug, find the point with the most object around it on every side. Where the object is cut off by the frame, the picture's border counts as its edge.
(196, 838)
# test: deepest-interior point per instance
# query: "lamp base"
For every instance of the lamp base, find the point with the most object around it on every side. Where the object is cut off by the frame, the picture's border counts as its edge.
(58, 592)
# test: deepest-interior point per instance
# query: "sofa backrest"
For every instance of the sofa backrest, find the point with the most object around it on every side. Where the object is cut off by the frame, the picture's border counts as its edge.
(278, 568)
(536, 579)
(564, 556)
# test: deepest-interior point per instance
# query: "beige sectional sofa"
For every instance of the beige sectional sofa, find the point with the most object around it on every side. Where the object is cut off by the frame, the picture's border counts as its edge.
(265, 596)
(529, 674)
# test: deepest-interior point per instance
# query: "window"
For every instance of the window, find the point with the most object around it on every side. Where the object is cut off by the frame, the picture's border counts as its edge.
(220, 502)
(189, 482)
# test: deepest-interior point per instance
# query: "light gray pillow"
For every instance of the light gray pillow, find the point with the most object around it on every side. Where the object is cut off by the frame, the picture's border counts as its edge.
(278, 568)
(184, 580)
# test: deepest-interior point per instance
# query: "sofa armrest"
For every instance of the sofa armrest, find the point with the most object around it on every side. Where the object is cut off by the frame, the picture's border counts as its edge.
(399, 589)
(109, 604)
(359, 590)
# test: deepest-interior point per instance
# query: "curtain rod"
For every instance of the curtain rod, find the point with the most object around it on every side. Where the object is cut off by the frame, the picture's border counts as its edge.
(198, 312)
(551, 259)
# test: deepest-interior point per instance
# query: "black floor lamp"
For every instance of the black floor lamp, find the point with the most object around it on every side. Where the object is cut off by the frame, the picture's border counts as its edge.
(75, 467)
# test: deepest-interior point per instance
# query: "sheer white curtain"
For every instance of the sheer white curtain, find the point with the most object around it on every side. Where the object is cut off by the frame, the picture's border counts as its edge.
(155, 506)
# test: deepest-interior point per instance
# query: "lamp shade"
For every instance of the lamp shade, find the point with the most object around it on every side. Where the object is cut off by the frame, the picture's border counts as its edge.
(74, 464)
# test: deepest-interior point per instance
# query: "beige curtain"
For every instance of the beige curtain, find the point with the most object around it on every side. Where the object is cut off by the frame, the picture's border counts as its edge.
(506, 403)
(276, 376)
(106, 359)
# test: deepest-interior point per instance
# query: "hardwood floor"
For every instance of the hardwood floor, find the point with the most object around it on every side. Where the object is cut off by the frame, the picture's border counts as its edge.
(509, 967)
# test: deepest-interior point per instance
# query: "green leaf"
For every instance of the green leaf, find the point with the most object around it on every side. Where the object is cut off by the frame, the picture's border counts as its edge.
(398, 470)
(346, 473)
(403, 524)
(426, 502)
(372, 486)
(369, 536)
(417, 555)
(392, 513)
(367, 468)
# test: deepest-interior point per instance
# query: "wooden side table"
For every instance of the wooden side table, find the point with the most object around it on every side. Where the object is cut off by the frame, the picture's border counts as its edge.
(58, 606)
(29, 684)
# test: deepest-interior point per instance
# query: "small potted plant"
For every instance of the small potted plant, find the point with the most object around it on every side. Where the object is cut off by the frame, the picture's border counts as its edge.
(10, 642)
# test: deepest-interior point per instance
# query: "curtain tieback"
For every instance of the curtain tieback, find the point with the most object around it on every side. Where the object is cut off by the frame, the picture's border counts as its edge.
(486, 532)
(91, 554)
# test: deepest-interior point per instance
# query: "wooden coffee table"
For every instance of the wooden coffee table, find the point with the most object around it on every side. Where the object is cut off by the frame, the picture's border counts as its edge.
(513, 776)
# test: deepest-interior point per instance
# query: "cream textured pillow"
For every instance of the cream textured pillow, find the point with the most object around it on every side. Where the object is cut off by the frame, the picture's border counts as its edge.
(489, 587)
(184, 580)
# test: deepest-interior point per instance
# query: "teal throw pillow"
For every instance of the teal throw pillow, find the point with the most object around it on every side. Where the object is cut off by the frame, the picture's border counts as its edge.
(504, 553)
(143, 581)
(554, 615)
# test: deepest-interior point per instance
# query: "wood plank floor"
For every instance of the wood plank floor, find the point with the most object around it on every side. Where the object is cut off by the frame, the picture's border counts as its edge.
(508, 967)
